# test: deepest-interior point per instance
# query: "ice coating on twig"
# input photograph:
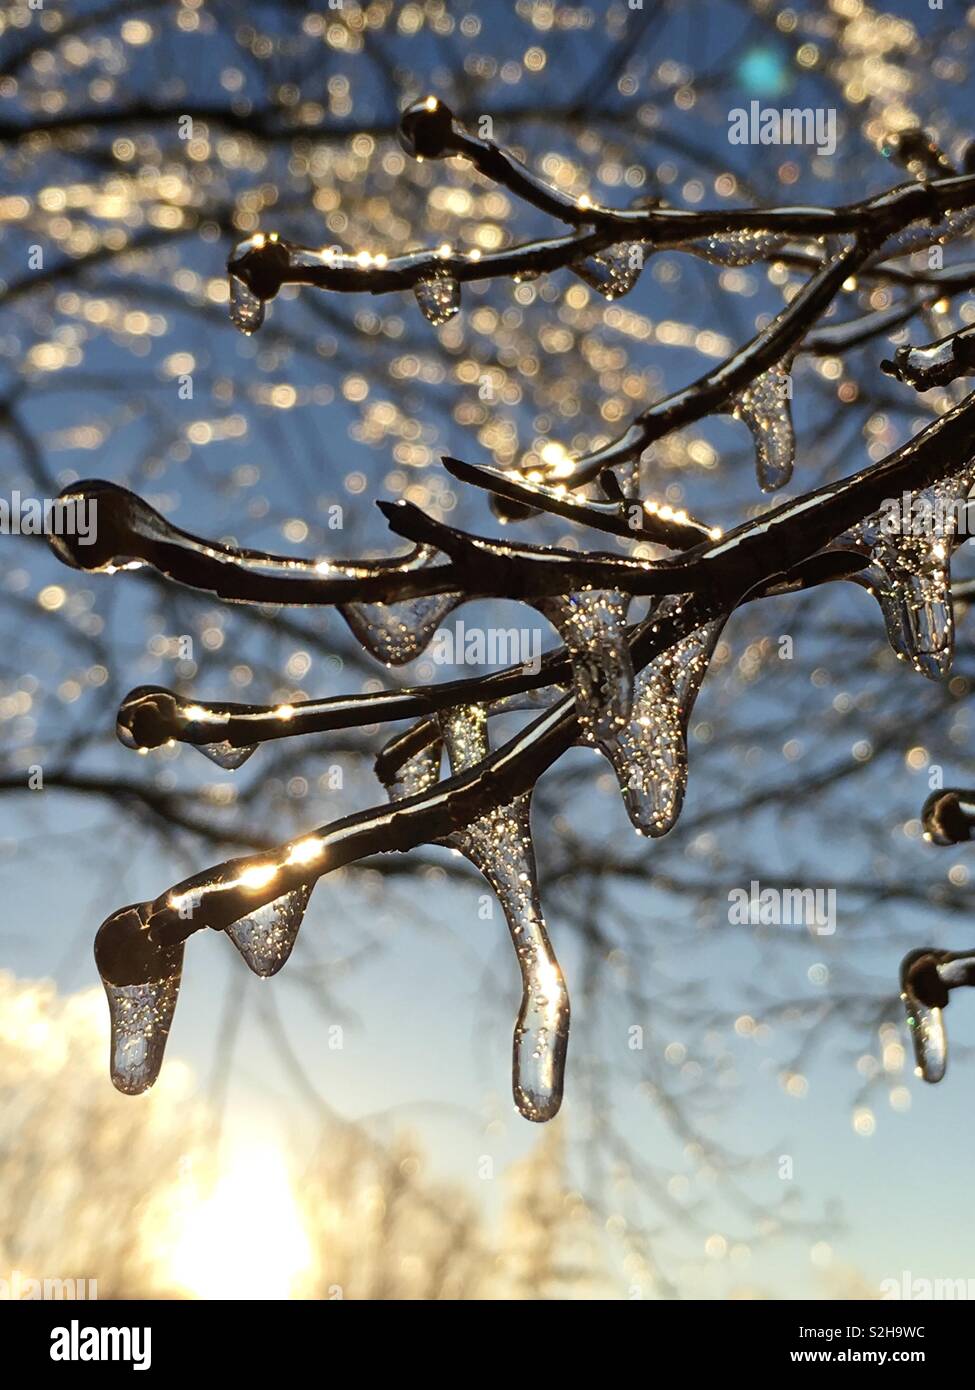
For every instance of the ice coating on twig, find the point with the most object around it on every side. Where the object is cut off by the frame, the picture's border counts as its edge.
(737, 248)
(649, 755)
(592, 624)
(765, 407)
(934, 364)
(499, 845)
(613, 271)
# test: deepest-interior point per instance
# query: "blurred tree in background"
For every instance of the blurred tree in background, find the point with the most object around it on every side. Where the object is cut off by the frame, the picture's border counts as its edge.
(140, 142)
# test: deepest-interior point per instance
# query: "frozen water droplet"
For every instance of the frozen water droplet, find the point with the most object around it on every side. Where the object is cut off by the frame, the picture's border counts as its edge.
(141, 1017)
(929, 1039)
(226, 755)
(765, 407)
(737, 248)
(141, 980)
(649, 755)
(592, 624)
(499, 845)
(395, 633)
(246, 309)
(265, 937)
(257, 269)
(613, 271)
(924, 995)
(909, 571)
(438, 297)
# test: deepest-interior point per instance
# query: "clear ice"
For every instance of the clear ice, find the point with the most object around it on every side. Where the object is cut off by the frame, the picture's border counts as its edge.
(246, 308)
(141, 1017)
(649, 755)
(499, 845)
(737, 248)
(266, 936)
(909, 572)
(438, 297)
(765, 407)
(226, 755)
(592, 624)
(395, 633)
(613, 271)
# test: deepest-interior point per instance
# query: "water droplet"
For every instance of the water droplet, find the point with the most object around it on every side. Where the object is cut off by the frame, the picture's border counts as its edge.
(525, 277)
(613, 271)
(246, 309)
(649, 755)
(765, 407)
(909, 571)
(499, 845)
(226, 755)
(737, 248)
(438, 297)
(592, 624)
(265, 937)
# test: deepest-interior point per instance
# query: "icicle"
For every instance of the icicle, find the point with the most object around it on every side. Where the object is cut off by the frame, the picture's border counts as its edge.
(737, 248)
(909, 571)
(438, 297)
(924, 995)
(926, 977)
(395, 633)
(499, 845)
(141, 983)
(266, 936)
(592, 624)
(613, 271)
(246, 310)
(256, 268)
(141, 1016)
(649, 755)
(764, 406)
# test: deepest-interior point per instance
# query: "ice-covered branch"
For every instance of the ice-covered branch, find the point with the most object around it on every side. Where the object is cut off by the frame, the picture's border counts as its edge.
(937, 363)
